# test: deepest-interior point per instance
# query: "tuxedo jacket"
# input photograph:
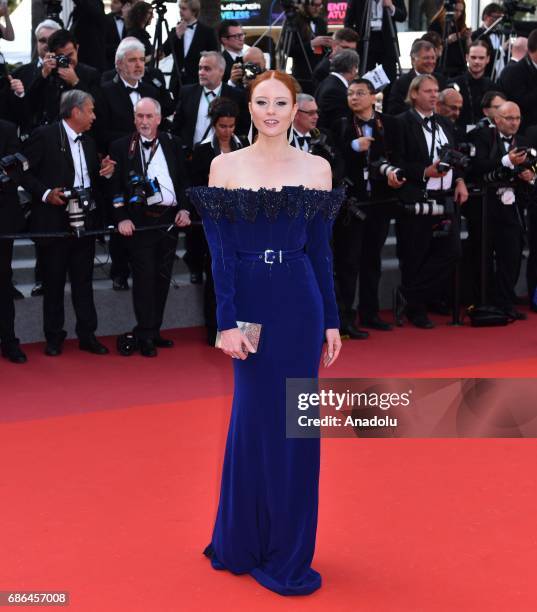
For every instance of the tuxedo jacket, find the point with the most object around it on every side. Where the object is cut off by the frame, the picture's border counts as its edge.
(411, 153)
(186, 113)
(518, 84)
(384, 131)
(472, 91)
(112, 39)
(27, 73)
(204, 39)
(119, 183)
(398, 93)
(51, 165)
(11, 212)
(331, 96)
(355, 16)
(118, 112)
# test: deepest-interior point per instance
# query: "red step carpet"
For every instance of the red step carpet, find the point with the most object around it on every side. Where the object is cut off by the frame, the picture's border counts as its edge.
(110, 473)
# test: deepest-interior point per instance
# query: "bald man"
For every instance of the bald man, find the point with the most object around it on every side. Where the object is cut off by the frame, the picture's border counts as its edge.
(449, 104)
(519, 48)
(254, 55)
(499, 158)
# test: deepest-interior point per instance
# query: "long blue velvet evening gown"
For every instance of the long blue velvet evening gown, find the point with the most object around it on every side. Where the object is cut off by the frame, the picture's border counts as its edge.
(267, 514)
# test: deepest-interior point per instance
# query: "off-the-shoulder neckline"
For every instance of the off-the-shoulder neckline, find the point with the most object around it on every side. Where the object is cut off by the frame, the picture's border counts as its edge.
(271, 189)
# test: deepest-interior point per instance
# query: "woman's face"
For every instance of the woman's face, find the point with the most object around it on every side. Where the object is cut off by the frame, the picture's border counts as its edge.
(272, 108)
(459, 8)
(149, 18)
(224, 128)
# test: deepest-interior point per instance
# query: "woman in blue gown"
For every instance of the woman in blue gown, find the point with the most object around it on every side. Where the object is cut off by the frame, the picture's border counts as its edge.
(268, 214)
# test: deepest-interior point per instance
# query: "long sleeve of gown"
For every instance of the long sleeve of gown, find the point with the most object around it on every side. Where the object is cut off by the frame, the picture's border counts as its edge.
(319, 251)
(219, 233)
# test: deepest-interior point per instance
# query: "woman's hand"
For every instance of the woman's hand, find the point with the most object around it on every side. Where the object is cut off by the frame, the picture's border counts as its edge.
(235, 344)
(333, 346)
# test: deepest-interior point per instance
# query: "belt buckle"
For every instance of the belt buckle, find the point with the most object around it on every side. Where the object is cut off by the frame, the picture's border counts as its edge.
(270, 256)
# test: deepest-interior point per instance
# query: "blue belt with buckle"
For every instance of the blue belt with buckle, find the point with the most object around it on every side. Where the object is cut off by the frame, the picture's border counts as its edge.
(270, 256)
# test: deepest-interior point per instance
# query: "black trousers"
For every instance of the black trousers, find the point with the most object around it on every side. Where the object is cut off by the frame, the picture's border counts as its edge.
(56, 259)
(531, 268)
(151, 255)
(426, 261)
(357, 257)
(119, 257)
(7, 307)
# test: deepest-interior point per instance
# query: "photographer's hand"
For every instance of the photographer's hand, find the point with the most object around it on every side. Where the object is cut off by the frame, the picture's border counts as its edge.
(237, 73)
(69, 76)
(393, 181)
(126, 228)
(49, 63)
(235, 343)
(55, 197)
(321, 41)
(516, 157)
(17, 86)
(108, 166)
(182, 218)
(364, 142)
(180, 29)
(433, 172)
(461, 191)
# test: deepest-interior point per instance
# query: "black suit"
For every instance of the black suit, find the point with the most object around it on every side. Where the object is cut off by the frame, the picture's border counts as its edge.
(151, 252)
(382, 49)
(426, 260)
(27, 73)
(518, 84)
(112, 39)
(11, 220)
(331, 97)
(204, 39)
(186, 114)
(358, 243)
(51, 165)
(472, 91)
(89, 29)
(398, 93)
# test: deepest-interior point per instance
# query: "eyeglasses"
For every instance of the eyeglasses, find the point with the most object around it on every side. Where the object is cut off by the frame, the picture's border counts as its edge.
(361, 94)
(508, 118)
(310, 113)
(235, 36)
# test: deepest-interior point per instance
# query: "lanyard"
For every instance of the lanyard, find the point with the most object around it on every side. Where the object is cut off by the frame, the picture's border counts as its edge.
(146, 163)
(81, 175)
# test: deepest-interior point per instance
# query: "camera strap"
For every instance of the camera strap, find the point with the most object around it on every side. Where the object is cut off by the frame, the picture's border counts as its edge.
(147, 162)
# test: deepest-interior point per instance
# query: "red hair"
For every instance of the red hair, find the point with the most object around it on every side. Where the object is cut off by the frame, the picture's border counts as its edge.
(283, 77)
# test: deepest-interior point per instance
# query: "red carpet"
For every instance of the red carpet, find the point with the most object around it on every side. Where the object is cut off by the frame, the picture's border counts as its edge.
(110, 475)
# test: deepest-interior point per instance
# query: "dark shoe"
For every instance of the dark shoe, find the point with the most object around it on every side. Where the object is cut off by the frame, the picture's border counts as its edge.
(37, 289)
(52, 349)
(375, 322)
(163, 342)
(353, 332)
(120, 284)
(196, 278)
(16, 294)
(92, 345)
(147, 348)
(515, 315)
(14, 353)
(420, 320)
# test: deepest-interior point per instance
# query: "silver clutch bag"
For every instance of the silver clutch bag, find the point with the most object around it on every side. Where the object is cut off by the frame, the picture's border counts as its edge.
(251, 330)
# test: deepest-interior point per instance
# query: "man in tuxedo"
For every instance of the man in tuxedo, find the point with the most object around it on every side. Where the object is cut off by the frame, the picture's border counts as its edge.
(383, 49)
(428, 245)
(473, 84)
(152, 156)
(191, 121)
(238, 78)
(331, 95)
(518, 83)
(189, 39)
(62, 157)
(231, 37)
(510, 187)
(423, 57)
(344, 38)
(491, 13)
(114, 29)
(28, 72)
(88, 26)
(11, 221)
(365, 138)
(46, 89)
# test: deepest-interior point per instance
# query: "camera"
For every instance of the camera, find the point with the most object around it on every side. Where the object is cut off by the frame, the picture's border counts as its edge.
(251, 70)
(381, 167)
(530, 163)
(143, 190)
(453, 158)
(54, 10)
(432, 208)
(12, 167)
(513, 6)
(508, 175)
(62, 61)
(79, 203)
(127, 344)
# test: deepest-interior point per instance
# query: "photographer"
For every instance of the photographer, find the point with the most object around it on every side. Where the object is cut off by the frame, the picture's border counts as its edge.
(231, 37)
(11, 221)
(507, 169)
(115, 29)
(89, 29)
(491, 13)
(365, 140)
(450, 23)
(243, 73)
(344, 38)
(61, 72)
(428, 244)
(148, 189)
(64, 182)
(307, 42)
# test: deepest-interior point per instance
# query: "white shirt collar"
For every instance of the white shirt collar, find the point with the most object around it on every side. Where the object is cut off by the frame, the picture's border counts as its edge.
(128, 84)
(341, 78)
(216, 90)
(298, 133)
(71, 134)
(422, 115)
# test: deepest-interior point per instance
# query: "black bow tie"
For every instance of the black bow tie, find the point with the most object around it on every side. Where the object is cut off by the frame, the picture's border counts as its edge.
(192, 25)
(148, 143)
(132, 90)
(209, 92)
(369, 122)
(303, 139)
(78, 138)
(118, 18)
(507, 139)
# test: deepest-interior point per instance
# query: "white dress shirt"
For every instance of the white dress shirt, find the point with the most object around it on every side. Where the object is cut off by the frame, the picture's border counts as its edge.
(187, 38)
(158, 167)
(120, 25)
(433, 183)
(203, 122)
(133, 95)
